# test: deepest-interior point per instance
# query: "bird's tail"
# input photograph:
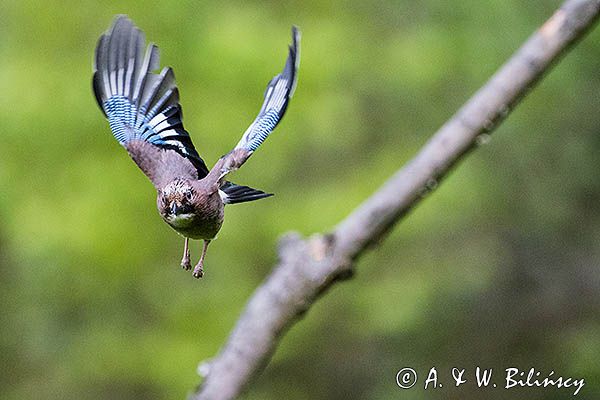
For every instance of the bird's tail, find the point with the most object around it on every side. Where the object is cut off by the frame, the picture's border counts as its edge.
(232, 193)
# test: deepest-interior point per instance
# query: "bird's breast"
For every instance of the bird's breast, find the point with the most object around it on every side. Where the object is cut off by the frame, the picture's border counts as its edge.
(182, 221)
(201, 225)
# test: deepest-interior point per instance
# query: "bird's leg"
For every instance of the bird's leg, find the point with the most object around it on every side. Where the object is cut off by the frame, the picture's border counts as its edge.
(199, 270)
(185, 261)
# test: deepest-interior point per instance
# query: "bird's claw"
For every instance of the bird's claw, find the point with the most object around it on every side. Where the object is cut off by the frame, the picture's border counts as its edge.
(198, 272)
(185, 261)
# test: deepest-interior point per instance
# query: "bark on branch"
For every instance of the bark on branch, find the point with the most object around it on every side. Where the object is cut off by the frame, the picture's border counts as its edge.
(307, 267)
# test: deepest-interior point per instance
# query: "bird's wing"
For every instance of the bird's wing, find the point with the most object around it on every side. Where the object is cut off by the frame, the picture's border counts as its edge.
(143, 107)
(277, 97)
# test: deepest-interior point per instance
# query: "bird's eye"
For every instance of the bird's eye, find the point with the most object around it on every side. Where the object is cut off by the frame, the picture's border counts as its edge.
(188, 195)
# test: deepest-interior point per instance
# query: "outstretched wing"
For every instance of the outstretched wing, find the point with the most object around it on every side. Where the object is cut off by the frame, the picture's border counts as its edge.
(143, 107)
(277, 97)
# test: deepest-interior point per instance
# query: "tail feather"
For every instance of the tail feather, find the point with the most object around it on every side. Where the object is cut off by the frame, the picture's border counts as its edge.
(233, 194)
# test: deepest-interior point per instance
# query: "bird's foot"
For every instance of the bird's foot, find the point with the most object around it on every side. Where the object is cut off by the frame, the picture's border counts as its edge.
(186, 263)
(198, 271)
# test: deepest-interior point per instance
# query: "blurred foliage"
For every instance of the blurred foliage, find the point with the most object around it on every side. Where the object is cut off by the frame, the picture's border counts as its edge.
(498, 268)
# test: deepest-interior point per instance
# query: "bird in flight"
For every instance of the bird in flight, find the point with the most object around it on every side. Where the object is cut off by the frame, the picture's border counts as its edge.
(144, 114)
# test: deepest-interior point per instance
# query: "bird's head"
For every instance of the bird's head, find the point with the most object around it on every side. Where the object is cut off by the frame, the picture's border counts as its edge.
(176, 201)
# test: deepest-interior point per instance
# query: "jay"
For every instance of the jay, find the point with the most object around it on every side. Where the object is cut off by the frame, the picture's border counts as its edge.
(144, 114)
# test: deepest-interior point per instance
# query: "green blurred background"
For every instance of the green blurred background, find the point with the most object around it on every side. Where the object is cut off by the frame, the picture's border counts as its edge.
(498, 268)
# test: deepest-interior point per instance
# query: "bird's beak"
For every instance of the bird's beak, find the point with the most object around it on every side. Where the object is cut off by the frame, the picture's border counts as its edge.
(174, 208)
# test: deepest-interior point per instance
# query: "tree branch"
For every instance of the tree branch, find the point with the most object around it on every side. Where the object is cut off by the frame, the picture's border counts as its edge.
(307, 267)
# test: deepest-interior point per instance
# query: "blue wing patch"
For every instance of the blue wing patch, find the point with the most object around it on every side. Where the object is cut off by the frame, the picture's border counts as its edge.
(261, 129)
(163, 130)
